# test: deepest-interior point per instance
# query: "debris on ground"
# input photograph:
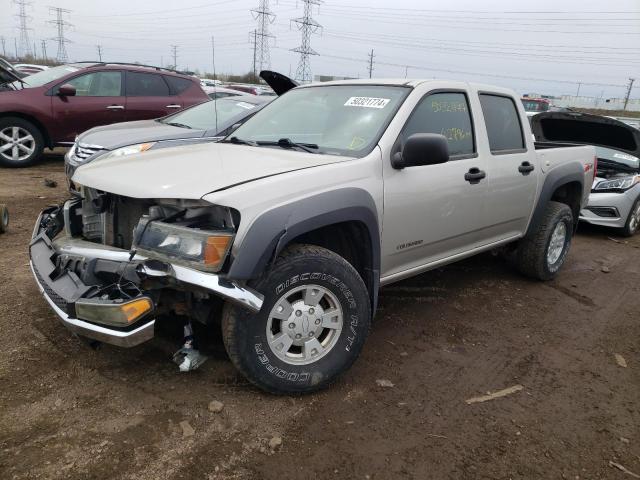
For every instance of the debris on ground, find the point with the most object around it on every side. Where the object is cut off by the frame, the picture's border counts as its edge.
(494, 395)
(616, 240)
(620, 360)
(605, 269)
(50, 183)
(623, 469)
(187, 429)
(275, 442)
(384, 383)
(215, 406)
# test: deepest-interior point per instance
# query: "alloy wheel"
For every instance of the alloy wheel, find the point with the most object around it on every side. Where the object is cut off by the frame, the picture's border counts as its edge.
(16, 144)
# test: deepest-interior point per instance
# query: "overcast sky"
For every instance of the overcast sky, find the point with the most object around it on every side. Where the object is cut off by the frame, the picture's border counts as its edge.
(546, 46)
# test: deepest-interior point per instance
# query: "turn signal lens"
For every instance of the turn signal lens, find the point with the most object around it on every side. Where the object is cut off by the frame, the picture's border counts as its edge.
(110, 312)
(216, 249)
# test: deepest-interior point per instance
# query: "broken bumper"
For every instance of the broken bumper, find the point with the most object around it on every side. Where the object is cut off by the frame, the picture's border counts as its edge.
(63, 287)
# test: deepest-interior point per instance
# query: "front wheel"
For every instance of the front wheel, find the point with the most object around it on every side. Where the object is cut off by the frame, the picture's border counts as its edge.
(21, 142)
(312, 325)
(541, 254)
(632, 225)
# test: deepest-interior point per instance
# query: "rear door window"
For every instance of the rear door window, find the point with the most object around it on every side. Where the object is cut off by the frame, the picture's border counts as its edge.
(446, 113)
(146, 85)
(503, 123)
(98, 84)
(177, 84)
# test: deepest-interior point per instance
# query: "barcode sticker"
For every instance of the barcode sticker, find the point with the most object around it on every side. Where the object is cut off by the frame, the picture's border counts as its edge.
(367, 102)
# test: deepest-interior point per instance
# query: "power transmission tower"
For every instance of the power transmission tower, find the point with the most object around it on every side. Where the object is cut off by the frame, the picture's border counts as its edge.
(626, 98)
(44, 49)
(253, 39)
(25, 44)
(61, 24)
(371, 63)
(99, 48)
(174, 54)
(307, 25)
(265, 17)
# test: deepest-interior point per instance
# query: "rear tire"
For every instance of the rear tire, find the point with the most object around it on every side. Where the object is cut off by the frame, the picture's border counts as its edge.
(632, 225)
(542, 253)
(312, 325)
(21, 142)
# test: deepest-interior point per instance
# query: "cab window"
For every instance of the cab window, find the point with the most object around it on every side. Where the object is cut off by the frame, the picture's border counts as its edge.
(448, 114)
(503, 123)
(98, 84)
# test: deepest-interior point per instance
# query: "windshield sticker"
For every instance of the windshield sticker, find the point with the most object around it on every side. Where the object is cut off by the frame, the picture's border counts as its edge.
(367, 102)
(246, 105)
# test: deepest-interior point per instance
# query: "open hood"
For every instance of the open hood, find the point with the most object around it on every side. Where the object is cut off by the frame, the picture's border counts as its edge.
(8, 73)
(192, 172)
(279, 83)
(584, 128)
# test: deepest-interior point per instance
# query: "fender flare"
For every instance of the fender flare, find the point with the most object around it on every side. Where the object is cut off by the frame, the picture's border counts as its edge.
(274, 229)
(562, 175)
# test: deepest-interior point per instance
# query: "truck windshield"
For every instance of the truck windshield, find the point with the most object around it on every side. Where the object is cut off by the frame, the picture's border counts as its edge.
(339, 119)
(48, 75)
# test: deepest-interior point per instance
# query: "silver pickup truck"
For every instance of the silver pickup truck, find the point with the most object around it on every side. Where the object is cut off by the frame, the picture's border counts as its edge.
(286, 230)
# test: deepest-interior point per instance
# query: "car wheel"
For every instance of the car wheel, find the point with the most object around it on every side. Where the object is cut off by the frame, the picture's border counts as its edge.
(312, 325)
(21, 142)
(4, 218)
(632, 225)
(541, 254)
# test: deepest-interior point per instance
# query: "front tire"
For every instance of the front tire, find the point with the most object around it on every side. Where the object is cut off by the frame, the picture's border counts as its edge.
(312, 325)
(21, 142)
(541, 254)
(632, 225)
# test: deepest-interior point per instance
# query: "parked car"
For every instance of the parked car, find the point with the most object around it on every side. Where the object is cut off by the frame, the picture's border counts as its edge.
(278, 229)
(533, 106)
(615, 195)
(206, 122)
(207, 82)
(253, 89)
(51, 108)
(30, 68)
(221, 92)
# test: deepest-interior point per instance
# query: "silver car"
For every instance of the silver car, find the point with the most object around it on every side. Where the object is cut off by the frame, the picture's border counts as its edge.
(615, 194)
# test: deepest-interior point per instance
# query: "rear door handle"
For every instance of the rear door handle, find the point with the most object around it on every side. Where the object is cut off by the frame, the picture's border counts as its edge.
(474, 175)
(173, 105)
(526, 168)
(115, 107)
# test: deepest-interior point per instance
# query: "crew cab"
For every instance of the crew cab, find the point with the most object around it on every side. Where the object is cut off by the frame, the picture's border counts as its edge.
(285, 230)
(50, 108)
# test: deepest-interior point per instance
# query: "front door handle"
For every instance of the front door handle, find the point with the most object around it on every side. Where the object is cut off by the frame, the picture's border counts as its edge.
(174, 105)
(115, 107)
(526, 168)
(474, 175)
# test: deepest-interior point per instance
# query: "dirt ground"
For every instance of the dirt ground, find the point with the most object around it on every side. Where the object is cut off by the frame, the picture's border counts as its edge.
(68, 411)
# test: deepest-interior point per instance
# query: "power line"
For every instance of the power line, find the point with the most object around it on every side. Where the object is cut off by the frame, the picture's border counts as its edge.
(61, 24)
(307, 25)
(25, 44)
(99, 48)
(265, 17)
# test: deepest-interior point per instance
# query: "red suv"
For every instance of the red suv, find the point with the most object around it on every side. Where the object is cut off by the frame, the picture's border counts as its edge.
(50, 108)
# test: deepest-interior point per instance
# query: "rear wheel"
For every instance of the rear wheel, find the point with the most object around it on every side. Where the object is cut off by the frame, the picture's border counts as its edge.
(633, 221)
(541, 254)
(312, 325)
(21, 142)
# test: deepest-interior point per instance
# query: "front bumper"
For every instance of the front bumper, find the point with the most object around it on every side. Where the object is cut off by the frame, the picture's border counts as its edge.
(62, 287)
(610, 209)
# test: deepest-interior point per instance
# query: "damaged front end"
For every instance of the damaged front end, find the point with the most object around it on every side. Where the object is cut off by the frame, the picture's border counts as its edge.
(109, 265)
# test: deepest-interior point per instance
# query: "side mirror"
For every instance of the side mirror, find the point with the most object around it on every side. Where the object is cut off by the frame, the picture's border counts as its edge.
(67, 90)
(422, 149)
